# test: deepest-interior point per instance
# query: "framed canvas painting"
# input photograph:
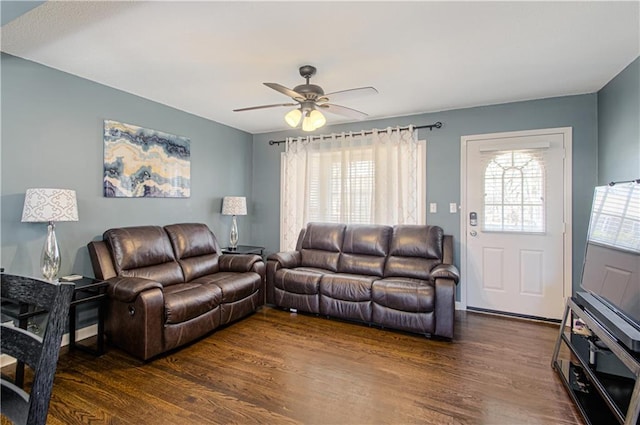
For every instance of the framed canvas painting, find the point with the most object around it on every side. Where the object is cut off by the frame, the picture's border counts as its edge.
(144, 163)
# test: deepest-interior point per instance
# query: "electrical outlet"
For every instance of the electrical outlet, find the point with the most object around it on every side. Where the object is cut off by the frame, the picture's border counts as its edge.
(433, 207)
(453, 208)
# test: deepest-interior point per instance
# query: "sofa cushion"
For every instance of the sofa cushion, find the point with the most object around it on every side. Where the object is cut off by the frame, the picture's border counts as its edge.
(347, 287)
(144, 251)
(203, 265)
(415, 250)
(195, 247)
(361, 264)
(166, 273)
(134, 247)
(184, 301)
(404, 294)
(364, 249)
(321, 245)
(417, 241)
(367, 239)
(235, 286)
(319, 259)
(323, 236)
(191, 239)
(413, 267)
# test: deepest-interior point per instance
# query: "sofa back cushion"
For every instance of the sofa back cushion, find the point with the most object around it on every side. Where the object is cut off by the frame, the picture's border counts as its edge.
(414, 251)
(196, 249)
(364, 249)
(144, 251)
(321, 245)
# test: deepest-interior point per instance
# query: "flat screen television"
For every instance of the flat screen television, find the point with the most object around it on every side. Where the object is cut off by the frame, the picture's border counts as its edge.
(611, 272)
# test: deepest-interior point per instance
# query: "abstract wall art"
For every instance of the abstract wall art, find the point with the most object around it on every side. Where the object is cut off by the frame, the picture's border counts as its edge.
(144, 163)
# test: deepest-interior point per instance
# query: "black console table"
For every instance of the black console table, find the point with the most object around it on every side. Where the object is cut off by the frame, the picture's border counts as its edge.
(601, 398)
(244, 249)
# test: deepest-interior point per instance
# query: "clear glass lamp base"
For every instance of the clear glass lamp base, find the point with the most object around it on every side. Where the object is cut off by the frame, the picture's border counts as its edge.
(50, 261)
(233, 236)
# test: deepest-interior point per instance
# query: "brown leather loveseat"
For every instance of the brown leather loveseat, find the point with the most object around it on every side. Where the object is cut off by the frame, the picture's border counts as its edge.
(399, 277)
(170, 285)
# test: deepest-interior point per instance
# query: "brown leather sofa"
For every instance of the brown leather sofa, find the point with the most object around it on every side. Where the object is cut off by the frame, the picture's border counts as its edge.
(170, 285)
(399, 277)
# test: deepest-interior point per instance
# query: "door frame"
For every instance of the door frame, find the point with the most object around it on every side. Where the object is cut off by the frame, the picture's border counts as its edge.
(567, 133)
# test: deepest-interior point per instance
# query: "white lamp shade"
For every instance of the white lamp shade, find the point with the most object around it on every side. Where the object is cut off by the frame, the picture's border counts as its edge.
(44, 205)
(234, 205)
(307, 124)
(293, 117)
(317, 119)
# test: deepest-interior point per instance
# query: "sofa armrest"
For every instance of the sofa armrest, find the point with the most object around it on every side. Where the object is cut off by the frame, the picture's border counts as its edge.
(286, 260)
(137, 326)
(276, 261)
(126, 289)
(238, 262)
(445, 307)
(446, 271)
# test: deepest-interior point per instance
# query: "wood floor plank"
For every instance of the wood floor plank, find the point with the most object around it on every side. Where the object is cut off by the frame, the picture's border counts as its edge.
(276, 367)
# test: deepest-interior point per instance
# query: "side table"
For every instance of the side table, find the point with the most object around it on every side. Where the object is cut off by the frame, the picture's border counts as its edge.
(244, 249)
(88, 290)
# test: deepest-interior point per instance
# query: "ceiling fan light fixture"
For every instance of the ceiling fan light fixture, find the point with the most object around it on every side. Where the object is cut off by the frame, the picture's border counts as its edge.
(317, 119)
(293, 117)
(308, 97)
(307, 123)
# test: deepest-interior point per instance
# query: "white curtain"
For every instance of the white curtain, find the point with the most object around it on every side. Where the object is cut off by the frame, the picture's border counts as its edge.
(376, 177)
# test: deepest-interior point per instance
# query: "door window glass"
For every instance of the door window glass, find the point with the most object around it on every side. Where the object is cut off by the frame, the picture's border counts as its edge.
(514, 187)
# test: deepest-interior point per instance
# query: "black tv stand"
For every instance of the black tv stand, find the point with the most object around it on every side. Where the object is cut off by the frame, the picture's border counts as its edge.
(601, 398)
(613, 323)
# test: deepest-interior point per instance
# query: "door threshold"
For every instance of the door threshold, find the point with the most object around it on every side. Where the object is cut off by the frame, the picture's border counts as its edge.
(507, 314)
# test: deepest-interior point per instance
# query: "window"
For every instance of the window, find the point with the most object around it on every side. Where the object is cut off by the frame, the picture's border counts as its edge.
(514, 187)
(375, 177)
(355, 190)
(615, 217)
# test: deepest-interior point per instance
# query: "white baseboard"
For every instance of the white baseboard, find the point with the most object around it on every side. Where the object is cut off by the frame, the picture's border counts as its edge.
(460, 306)
(83, 333)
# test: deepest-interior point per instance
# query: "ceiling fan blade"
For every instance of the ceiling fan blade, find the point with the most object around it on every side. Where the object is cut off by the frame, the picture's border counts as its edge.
(286, 91)
(264, 106)
(343, 110)
(351, 93)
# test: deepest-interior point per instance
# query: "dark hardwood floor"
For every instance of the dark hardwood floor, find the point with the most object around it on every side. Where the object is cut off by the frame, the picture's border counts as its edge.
(275, 367)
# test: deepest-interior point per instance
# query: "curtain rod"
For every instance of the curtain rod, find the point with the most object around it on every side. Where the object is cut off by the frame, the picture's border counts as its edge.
(625, 181)
(430, 127)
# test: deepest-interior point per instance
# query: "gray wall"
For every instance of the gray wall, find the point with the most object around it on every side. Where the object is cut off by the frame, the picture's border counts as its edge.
(443, 161)
(619, 127)
(52, 125)
(10, 10)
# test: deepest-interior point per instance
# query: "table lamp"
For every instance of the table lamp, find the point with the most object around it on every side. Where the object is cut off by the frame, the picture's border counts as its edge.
(49, 206)
(234, 205)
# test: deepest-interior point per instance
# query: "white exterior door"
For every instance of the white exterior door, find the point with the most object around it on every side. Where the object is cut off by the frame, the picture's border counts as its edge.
(515, 221)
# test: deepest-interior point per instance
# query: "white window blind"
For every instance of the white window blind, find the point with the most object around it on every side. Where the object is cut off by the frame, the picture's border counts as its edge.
(514, 191)
(343, 191)
(615, 217)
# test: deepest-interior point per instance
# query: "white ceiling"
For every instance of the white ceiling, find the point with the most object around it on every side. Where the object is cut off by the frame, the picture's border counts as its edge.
(208, 58)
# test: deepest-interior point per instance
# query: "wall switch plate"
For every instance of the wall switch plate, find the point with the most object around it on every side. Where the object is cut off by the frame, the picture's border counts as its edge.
(453, 208)
(433, 207)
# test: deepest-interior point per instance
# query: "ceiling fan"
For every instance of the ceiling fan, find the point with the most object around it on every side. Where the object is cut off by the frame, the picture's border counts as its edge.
(310, 99)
